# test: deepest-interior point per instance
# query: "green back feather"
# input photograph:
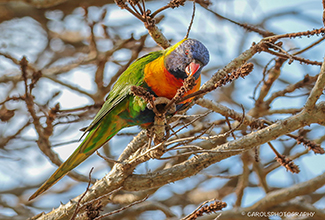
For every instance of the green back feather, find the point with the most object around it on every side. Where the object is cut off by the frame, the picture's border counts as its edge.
(133, 76)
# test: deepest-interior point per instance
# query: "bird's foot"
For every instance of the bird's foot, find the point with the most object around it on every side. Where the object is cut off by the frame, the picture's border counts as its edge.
(161, 102)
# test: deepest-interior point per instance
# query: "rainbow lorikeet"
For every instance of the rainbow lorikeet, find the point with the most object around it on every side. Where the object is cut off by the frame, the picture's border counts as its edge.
(162, 73)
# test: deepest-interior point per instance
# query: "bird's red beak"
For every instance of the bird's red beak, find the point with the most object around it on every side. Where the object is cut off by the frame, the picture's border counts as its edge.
(192, 68)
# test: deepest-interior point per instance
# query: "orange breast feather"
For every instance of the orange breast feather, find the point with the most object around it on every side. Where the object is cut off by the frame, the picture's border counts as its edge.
(163, 83)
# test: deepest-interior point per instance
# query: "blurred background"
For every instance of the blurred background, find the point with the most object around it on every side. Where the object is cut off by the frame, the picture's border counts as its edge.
(82, 46)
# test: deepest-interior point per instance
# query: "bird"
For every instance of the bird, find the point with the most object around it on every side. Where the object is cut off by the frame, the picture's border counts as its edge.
(161, 73)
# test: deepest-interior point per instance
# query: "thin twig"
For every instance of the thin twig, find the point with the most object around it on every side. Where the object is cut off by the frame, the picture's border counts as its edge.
(101, 197)
(294, 35)
(191, 23)
(123, 208)
(284, 161)
(317, 90)
(159, 10)
(82, 196)
(107, 159)
(243, 71)
(216, 206)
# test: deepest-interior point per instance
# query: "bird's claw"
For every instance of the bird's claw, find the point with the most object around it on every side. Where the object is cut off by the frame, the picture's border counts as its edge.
(160, 103)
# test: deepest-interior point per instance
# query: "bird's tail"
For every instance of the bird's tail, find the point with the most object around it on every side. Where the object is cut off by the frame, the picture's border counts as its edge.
(94, 140)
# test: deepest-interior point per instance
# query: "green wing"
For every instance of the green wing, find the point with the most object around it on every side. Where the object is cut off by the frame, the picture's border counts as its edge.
(132, 76)
(105, 125)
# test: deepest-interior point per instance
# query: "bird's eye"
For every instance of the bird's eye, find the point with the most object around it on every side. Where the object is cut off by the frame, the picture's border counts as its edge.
(186, 52)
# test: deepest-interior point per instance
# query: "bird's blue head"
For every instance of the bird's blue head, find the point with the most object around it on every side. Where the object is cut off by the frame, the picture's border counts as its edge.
(186, 58)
